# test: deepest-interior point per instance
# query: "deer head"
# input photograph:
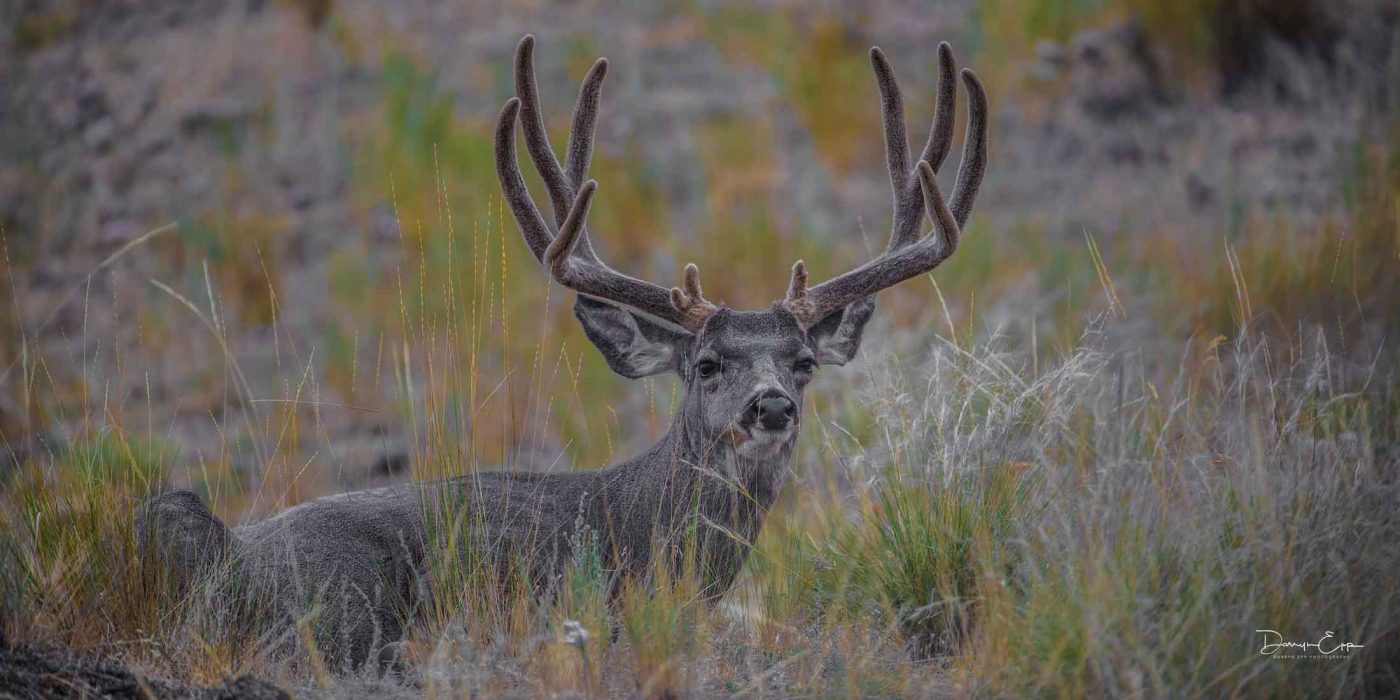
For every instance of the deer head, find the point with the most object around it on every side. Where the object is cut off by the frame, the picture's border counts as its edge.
(744, 371)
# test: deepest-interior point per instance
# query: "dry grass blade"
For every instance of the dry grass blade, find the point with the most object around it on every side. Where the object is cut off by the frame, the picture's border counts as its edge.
(73, 290)
(245, 390)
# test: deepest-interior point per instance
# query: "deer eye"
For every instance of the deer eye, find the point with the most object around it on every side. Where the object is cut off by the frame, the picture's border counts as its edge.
(805, 365)
(707, 368)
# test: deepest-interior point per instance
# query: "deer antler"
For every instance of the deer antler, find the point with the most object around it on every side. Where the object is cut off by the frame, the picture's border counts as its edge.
(915, 193)
(570, 256)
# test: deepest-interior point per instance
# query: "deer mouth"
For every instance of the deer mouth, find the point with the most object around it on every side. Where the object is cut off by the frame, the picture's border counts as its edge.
(756, 441)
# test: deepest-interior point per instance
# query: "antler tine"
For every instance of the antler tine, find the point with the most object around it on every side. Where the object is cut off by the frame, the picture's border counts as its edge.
(581, 132)
(906, 259)
(561, 249)
(945, 224)
(536, 138)
(694, 308)
(560, 182)
(974, 160)
(687, 308)
(887, 270)
(908, 204)
(580, 148)
(892, 114)
(532, 225)
(797, 287)
(940, 134)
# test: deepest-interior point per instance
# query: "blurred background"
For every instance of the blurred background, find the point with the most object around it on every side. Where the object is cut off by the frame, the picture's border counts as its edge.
(341, 301)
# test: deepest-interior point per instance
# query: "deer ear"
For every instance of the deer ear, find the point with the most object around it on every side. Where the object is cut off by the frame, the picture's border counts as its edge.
(634, 345)
(836, 338)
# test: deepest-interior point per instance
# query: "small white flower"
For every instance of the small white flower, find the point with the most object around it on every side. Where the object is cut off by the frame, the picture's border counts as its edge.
(574, 633)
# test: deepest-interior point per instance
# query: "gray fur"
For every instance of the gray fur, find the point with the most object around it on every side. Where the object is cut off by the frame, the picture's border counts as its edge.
(698, 496)
(364, 555)
(633, 345)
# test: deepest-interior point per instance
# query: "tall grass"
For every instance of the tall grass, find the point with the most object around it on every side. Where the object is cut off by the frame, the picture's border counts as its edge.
(69, 556)
(972, 514)
(1113, 524)
(1116, 526)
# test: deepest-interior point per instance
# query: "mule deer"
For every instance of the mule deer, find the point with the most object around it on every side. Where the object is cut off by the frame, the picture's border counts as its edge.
(700, 493)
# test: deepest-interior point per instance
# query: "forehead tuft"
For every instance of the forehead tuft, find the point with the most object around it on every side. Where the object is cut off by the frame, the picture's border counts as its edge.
(733, 330)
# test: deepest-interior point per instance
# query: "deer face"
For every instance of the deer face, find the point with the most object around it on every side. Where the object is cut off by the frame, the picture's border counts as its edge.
(744, 377)
(744, 371)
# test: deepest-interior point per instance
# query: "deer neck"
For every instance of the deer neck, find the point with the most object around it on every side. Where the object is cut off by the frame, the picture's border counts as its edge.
(716, 499)
(713, 463)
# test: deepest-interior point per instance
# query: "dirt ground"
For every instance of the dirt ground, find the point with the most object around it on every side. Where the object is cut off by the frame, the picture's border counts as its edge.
(43, 672)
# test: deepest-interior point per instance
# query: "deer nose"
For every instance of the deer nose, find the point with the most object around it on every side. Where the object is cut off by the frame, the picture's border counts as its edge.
(774, 411)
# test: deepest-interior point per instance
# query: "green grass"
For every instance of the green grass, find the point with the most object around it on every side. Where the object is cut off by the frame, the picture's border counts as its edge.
(922, 549)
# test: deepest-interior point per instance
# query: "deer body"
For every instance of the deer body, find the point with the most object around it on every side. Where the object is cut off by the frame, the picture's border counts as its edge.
(370, 550)
(697, 498)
